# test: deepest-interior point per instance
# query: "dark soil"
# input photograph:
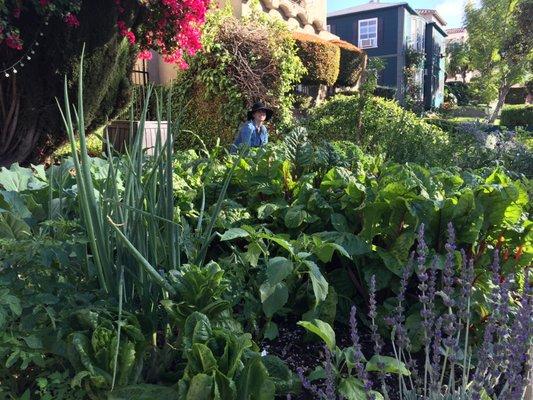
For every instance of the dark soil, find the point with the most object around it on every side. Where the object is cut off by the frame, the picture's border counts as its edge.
(298, 349)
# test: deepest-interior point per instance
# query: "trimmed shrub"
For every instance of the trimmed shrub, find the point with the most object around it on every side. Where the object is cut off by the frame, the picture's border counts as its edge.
(444, 124)
(517, 115)
(386, 128)
(516, 95)
(320, 57)
(244, 61)
(385, 92)
(352, 63)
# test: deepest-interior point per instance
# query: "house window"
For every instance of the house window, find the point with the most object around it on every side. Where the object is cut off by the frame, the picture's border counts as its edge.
(328, 27)
(139, 75)
(368, 33)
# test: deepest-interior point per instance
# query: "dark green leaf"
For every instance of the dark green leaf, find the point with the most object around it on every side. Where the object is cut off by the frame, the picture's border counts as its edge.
(273, 297)
(143, 392)
(200, 388)
(320, 285)
(234, 233)
(278, 268)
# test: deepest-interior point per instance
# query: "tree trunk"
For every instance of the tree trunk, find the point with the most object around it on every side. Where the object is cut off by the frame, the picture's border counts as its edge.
(502, 93)
(30, 123)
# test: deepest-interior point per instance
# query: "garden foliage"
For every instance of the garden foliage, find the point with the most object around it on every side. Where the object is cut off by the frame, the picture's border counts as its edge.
(304, 231)
(461, 91)
(159, 276)
(388, 129)
(478, 145)
(244, 61)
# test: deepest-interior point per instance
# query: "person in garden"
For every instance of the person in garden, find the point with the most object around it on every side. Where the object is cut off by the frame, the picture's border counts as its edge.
(253, 133)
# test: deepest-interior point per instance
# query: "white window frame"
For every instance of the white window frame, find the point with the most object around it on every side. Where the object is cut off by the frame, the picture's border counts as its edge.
(360, 41)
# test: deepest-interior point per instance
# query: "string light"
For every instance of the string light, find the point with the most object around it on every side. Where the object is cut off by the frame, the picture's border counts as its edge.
(14, 68)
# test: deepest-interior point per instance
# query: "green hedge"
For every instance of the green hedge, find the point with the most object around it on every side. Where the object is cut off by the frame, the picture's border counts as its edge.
(352, 63)
(447, 125)
(386, 128)
(516, 95)
(517, 115)
(320, 58)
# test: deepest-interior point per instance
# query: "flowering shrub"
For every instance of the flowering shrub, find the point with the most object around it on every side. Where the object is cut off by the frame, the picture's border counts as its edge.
(170, 27)
(453, 367)
(478, 145)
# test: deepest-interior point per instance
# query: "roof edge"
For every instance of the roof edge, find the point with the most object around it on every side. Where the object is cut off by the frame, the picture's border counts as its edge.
(437, 26)
(403, 4)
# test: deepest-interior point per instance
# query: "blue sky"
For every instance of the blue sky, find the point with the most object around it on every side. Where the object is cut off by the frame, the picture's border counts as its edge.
(451, 10)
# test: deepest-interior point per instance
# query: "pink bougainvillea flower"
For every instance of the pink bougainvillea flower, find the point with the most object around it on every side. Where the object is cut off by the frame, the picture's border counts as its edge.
(13, 41)
(71, 20)
(145, 55)
(170, 27)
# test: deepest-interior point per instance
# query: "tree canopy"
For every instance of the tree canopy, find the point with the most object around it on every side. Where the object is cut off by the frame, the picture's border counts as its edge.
(500, 45)
(459, 62)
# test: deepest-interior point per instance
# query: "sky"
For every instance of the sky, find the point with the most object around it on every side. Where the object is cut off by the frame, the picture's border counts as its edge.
(450, 10)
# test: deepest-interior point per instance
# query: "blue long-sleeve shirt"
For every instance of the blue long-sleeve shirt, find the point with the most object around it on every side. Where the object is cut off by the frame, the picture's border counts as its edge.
(251, 136)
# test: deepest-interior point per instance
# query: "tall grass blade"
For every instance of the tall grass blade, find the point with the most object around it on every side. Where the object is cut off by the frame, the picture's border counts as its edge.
(208, 237)
(119, 324)
(161, 281)
(85, 193)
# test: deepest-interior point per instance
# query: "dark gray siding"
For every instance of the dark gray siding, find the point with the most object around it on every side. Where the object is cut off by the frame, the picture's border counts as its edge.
(434, 78)
(388, 75)
(345, 26)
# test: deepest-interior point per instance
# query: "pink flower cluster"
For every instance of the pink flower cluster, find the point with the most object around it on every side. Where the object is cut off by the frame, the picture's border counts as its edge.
(171, 27)
(71, 20)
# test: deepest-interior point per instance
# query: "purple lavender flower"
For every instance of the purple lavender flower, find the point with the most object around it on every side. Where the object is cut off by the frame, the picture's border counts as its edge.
(521, 332)
(330, 379)
(372, 314)
(398, 317)
(358, 354)
(318, 393)
(487, 367)
(422, 248)
(448, 271)
(435, 359)
(426, 298)
(449, 322)
(467, 279)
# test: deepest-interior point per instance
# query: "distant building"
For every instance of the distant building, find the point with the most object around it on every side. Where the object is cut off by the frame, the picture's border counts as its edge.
(435, 63)
(387, 30)
(459, 35)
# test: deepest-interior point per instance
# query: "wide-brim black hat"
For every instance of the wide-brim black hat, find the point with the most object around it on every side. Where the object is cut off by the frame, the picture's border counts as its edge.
(260, 106)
